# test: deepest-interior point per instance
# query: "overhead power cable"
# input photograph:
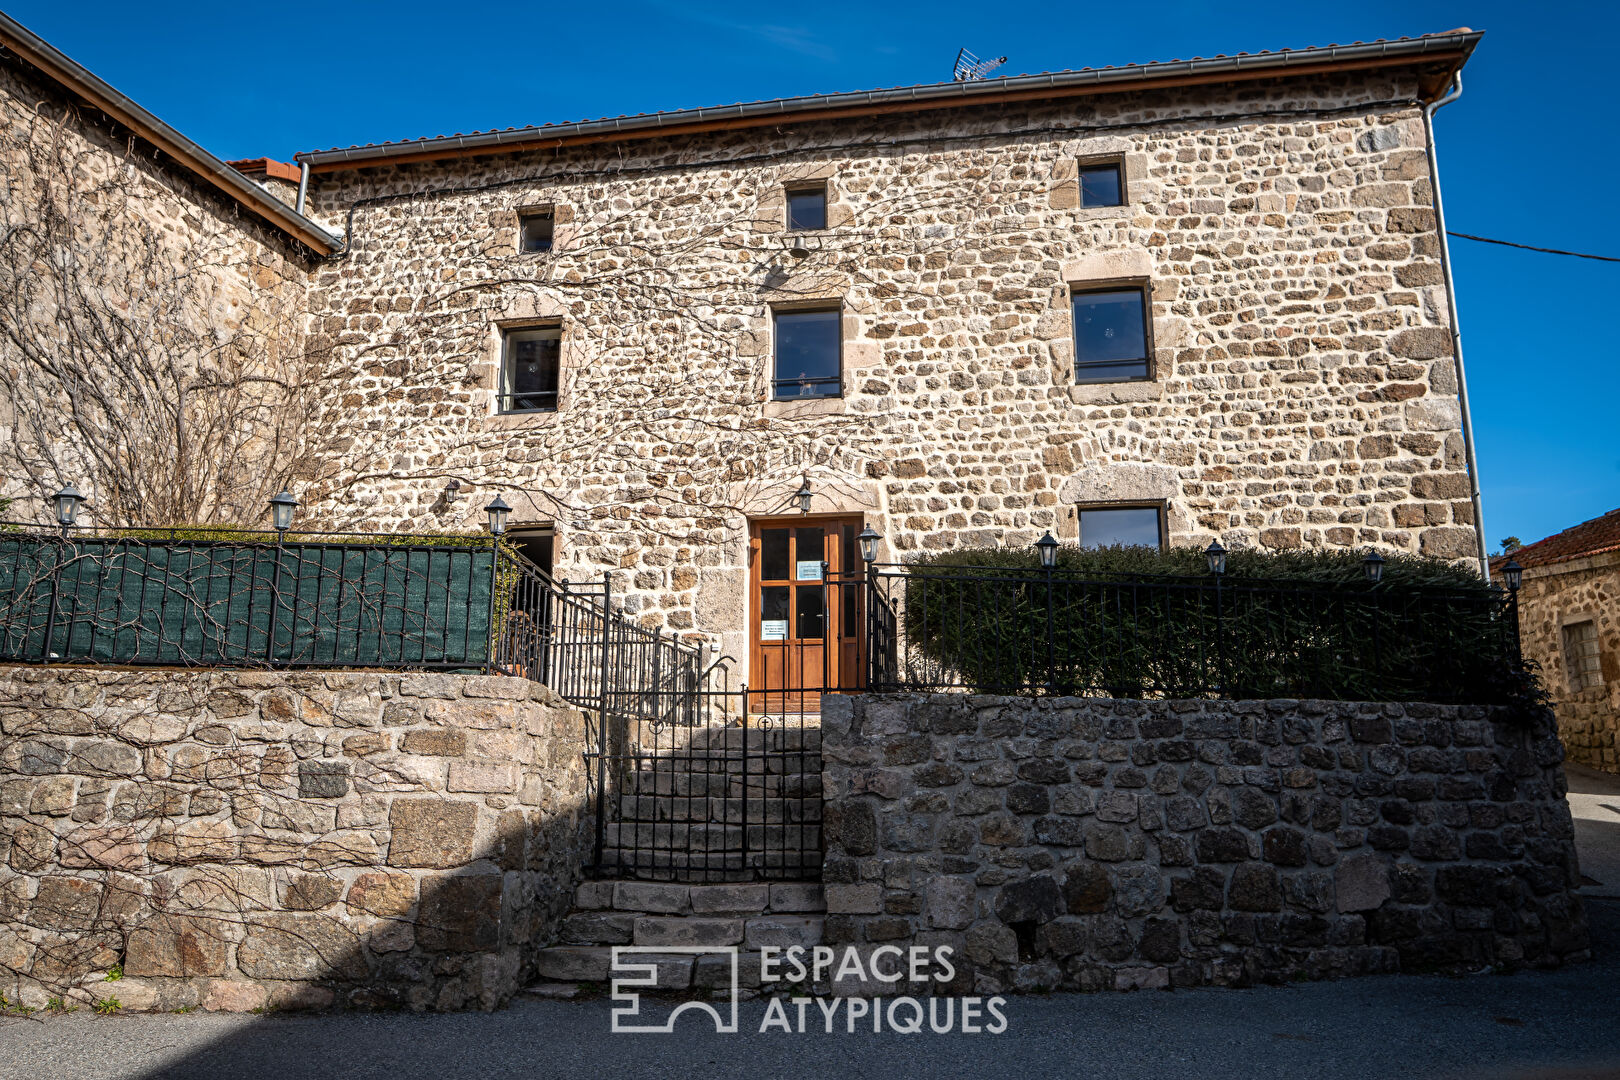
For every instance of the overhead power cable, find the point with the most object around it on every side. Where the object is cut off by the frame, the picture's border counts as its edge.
(1532, 247)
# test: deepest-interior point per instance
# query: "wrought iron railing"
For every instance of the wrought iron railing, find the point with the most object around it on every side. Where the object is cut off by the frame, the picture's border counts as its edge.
(998, 630)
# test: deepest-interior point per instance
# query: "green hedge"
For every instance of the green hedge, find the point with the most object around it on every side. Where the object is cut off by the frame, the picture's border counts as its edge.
(1134, 622)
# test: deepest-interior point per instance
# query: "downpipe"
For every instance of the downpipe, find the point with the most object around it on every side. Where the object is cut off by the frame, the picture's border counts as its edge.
(1456, 329)
(303, 186)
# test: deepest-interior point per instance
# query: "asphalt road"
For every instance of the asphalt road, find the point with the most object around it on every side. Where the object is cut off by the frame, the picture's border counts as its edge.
(1556, 1025)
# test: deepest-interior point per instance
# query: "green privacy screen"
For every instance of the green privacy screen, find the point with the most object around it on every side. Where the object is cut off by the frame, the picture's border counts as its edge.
(121, 601)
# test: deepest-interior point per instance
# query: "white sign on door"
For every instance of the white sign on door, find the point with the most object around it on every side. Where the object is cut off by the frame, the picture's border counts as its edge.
(773, 630)
(808, 571)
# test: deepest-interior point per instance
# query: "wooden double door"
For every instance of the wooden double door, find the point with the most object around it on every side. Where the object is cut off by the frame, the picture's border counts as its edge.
(805, 611)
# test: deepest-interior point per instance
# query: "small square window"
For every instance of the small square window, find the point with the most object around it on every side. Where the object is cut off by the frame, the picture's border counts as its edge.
(809, 354)
(530, 365)
(1111, 334)
(1101, 185)
(1128, 526)
(1581, 656)
(807, 207)
(537, 229)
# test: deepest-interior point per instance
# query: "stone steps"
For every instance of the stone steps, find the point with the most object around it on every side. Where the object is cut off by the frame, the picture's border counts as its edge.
(654, 916)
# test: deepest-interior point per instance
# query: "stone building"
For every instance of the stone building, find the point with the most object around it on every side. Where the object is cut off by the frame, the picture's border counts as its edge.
(1160, 303)
(1569, 623)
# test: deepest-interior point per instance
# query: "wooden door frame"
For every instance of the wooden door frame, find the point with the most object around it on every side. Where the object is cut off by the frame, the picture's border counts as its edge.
(834, 610)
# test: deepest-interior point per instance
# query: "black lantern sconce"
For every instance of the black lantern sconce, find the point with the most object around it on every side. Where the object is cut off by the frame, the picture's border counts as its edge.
(868, 540)
(1216, 557)
(282, 505)
(1048, 547)
(497, 512)
(1373, 567)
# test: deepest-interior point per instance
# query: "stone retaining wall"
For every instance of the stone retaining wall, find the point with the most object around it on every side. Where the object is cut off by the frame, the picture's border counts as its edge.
(1091, 843)
(238, 840)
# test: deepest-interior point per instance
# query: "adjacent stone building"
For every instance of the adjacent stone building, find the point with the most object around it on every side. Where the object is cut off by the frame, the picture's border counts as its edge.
(1168, 302)
(1569, 623)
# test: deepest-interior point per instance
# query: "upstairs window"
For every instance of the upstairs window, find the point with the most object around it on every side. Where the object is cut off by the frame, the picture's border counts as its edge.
(809, 354)
(531, 360)
(536, 228)
(1102, 185)
(1581, 656)
(1130, 526)
(807, 207)
(1111, 334)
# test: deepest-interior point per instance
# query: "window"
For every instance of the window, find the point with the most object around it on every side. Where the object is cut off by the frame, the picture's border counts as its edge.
(1101, 185)
(529, 369)
(809, 354)
(807, 207)
(1581, 655)
(1111, 334)
(537, 228)
(1128, 526)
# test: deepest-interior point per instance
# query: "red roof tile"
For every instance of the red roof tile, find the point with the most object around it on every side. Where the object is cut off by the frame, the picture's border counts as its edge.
(1594, 537)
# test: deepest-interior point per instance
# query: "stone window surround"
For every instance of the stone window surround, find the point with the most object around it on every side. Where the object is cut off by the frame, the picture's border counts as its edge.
(1098, 270)
(1161, 505)
(1143, 282)
(788, 307)
(508, 226)
(536, 210)
(1575, 619)
(1133, 177)
(772, 212)
(1086, 161)
(801, 187)
(496, 359)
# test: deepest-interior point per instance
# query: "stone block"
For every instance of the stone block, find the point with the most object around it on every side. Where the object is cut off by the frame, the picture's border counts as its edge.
(687, 931)
(323, 779)
(649, 896)
(483, 777)
(460, 913)
(783, 930)
(863, 899)
(234, 995)
(431, 833)
(797, 897)
(65, 903)
(310, 892)
(383, 894)
(951, 902)
(177, 947)
(729, 899)
(299, 946)
(574, 963)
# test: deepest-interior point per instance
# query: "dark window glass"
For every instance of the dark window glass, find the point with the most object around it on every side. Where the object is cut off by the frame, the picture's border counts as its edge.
(807, 208)
(1100, 186)
(811, 604)
(532, 358)
(1135, 526)
(811, 547)
(1110, 335)
(807, 354)
(537, 230)
(773, 604)
(773, 555)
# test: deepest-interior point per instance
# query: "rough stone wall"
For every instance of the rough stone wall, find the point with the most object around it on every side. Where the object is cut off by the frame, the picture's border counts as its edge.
(123, 284)
(1302, 395)
(1093, 843)
(1589, 588)
(238, 840)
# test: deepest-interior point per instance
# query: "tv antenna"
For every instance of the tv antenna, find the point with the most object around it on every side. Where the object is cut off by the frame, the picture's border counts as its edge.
(969, 68)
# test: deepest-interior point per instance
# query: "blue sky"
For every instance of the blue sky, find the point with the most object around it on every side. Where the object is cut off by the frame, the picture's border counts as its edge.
(1529, 154)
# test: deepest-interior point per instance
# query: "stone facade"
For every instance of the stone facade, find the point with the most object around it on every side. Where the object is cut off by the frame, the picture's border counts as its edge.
(125, 278)
(1302, 389)
(1553, 597)
(238, 840)
(1091, 844)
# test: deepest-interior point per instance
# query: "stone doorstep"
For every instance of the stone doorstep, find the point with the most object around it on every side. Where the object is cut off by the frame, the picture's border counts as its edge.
(563, 967)
(743, 898)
